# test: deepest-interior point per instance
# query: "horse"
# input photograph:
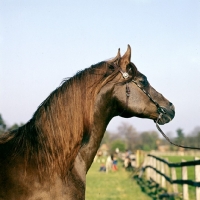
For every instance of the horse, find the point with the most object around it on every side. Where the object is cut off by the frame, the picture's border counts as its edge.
(48, 157)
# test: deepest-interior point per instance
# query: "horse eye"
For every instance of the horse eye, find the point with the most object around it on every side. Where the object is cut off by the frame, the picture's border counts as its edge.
(131, 69)
(143, 81)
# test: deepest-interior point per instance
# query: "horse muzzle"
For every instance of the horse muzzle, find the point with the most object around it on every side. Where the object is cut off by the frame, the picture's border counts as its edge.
(165, 114)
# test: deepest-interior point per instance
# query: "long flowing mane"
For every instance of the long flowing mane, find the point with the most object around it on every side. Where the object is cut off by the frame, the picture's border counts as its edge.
(61, 124)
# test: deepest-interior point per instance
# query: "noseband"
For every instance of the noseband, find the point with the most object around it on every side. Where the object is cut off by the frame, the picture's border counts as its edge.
(160, 110)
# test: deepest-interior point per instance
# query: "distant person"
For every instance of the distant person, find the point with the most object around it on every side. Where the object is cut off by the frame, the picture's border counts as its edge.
(114, 166)
(109, 163)
(102, 168)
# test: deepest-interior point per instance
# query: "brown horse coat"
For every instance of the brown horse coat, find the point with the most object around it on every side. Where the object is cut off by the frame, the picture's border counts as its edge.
(48, 157)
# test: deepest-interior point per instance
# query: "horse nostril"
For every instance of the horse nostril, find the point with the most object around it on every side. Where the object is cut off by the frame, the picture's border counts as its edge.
(171, 106)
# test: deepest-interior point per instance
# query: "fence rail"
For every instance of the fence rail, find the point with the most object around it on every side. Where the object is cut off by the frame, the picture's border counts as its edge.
(176, 153)
(164, 173)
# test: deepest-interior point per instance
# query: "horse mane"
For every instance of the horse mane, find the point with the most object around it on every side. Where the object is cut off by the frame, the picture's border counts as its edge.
(61, 124)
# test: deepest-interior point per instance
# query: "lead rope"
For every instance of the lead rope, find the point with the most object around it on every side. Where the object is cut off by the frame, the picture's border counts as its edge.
(162, 111)
(186, 147)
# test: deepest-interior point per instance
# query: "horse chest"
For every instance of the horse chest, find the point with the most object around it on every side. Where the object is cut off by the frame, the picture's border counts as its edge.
(18, 183)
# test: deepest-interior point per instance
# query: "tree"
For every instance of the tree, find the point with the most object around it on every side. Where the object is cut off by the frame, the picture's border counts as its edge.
(148, 140)
(194, 138)
(118, 144)
(130, 135)
(2, 125)
(106, 138)
(180, 136)
(13, 127)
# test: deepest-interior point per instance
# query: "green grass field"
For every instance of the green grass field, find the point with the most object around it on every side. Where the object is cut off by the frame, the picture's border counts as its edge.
(191, 174)
(112, 186)
(120, 185)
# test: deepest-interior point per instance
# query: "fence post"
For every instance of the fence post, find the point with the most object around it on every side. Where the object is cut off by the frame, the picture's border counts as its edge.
(167, 173)
(185, 177)
(147, 163)
(158, 175)
(137, 158)
(151, 170)
(154, 172)
(197, 179)
(163, 181)
(143, 166)
(173, 172)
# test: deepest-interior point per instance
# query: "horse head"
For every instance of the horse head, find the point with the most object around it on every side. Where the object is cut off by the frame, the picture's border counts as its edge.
(134, 96)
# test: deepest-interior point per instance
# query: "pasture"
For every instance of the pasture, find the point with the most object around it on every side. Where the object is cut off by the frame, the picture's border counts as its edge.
(191, 174)
(112, 186)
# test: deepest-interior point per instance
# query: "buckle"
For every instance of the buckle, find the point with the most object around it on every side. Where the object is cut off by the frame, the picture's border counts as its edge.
(125, 75)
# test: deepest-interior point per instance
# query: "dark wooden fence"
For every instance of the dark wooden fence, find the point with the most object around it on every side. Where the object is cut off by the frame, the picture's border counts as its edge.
(164, 173)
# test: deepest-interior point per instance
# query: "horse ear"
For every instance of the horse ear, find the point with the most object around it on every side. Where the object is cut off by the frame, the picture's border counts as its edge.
(117, 58)
(126, 58)
(118, 53)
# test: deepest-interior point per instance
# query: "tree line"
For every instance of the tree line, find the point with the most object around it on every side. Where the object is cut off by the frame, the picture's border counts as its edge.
(128, 138)
(4, 127)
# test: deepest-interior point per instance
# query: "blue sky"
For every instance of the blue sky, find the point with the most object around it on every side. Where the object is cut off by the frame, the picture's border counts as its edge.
(43, 42)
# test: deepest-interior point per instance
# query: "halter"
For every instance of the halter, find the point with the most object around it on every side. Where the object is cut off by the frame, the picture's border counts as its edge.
(126, 76)
(160, 110)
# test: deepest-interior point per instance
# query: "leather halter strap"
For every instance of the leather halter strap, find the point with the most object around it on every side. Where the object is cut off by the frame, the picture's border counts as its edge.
(125, 76)
(160, 110)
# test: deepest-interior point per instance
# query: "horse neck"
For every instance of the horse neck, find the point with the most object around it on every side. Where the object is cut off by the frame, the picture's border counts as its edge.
(102, 115)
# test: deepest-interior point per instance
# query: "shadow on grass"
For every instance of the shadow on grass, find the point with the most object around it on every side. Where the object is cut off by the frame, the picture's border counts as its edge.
(153, 190)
